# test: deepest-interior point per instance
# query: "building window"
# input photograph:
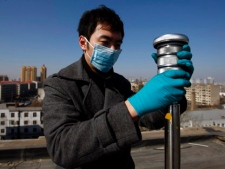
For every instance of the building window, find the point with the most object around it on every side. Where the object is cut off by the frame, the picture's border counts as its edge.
(2, 115)
(25, 122)
(12, 114)
(25, 114)
(34, 114)
(12, 122)
(34, 122)
(2, 122)
(2, 130)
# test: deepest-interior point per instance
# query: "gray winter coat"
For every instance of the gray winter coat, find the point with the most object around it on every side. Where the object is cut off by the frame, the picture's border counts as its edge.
(85, 128)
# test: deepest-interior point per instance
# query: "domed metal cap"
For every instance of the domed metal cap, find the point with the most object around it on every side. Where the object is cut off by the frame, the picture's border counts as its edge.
(170, 38)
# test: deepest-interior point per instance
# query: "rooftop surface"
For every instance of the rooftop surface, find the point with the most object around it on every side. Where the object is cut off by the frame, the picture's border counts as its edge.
(201, 148)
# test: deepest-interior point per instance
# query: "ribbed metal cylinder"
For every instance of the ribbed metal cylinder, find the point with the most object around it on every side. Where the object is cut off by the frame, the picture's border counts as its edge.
(167, 46)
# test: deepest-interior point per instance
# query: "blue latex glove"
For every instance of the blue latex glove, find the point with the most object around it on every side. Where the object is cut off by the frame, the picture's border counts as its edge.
(161, 91)
(184, 61)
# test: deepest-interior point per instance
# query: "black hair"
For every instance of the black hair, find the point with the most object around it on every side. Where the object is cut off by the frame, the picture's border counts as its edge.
(102, 14)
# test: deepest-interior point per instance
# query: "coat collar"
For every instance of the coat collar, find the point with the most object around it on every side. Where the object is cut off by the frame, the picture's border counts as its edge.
(77, 71)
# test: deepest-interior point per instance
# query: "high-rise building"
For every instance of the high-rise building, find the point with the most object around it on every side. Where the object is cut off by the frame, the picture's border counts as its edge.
(28, 73)
(205, 94)
(33, 73)
(4, 78)
(43, 73)
(22, 73)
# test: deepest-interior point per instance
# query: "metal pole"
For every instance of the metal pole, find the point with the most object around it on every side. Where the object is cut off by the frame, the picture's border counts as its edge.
(172, 137)
(176, 135)
(168, 140)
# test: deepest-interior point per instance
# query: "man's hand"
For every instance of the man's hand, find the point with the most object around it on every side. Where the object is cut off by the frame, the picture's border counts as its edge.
(161, 91)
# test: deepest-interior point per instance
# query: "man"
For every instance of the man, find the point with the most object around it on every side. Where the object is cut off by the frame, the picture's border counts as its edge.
(91, 115)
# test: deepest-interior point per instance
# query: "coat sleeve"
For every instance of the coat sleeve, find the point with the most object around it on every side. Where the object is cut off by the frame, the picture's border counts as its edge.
(156, 120)
(73, 141)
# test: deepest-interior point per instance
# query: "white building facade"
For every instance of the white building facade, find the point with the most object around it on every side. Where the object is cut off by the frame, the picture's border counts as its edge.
(18, 123)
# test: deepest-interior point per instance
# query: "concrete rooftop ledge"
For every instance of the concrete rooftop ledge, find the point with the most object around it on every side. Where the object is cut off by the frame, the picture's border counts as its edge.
(22, 144)
(198, 146)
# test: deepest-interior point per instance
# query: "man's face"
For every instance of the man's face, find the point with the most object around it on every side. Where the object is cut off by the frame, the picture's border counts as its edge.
(102, 36)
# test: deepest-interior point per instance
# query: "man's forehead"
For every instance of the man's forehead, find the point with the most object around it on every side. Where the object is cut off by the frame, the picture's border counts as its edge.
(104, 31)
(103, 26)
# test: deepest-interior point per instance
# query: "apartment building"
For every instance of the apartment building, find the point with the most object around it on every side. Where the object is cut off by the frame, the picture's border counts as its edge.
(4, 78)
(205, 94)
(20, 122)
(28, 73)
(9, 90)
(43, 73)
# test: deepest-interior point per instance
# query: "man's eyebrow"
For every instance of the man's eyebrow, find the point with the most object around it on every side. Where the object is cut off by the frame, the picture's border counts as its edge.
(109, 38)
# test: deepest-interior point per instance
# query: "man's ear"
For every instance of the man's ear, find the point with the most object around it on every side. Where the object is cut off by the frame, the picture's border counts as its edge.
(83, 43)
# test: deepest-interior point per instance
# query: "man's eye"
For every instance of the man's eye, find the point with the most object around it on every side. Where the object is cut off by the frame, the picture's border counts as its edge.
(104, 43)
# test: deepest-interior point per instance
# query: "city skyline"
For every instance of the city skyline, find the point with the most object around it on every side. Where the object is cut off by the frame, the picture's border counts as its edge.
(193, 80)
(44, 32)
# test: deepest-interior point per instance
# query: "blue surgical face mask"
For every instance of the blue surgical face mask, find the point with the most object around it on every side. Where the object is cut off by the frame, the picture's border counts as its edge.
(103, 58)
